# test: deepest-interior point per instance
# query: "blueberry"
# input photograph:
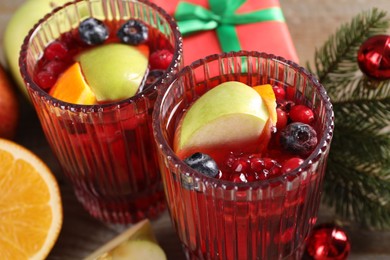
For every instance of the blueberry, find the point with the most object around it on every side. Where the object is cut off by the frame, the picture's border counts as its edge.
(203, 163)
(298, 138)
(93, 31)
(133, 32)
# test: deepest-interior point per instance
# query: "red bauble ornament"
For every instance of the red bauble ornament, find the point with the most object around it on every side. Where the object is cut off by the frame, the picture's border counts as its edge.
(374, 57)
(327, 242)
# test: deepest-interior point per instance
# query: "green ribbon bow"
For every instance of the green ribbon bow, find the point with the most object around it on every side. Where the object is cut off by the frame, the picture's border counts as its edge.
(221, 17)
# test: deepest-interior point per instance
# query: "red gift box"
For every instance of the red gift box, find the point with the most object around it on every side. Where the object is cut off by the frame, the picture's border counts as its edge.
(271, 36)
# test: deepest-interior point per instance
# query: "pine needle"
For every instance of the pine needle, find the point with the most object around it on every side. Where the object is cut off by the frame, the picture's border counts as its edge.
(357, 181)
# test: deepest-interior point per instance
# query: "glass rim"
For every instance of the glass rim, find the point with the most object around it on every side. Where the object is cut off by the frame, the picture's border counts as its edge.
(183, 168)
(165, 78)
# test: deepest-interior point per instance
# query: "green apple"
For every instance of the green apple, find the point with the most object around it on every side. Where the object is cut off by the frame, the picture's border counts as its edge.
(137, 242)
(138, 249)
(230, 113)
(114, 71)
(17, 29)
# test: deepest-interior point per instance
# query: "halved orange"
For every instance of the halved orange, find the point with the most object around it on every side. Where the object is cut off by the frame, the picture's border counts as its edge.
(268, 95)
(71, 87)
(30, 204)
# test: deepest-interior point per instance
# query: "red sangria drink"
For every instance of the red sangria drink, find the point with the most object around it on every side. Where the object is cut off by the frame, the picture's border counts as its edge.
(93, 69)
(243, 139)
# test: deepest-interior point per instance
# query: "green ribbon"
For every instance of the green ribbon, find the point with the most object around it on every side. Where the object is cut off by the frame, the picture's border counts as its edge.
(223, 18)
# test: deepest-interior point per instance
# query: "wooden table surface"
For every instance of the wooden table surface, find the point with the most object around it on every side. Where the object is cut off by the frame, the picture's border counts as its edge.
(310, 23)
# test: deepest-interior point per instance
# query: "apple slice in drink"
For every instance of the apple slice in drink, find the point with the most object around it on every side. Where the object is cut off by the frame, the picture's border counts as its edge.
(106, 73)
(115, 71)
(231, 116)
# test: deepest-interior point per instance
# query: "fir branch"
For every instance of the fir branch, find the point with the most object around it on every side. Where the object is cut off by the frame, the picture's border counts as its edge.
(335, 62)
(356, 88)
(372, 114)
(357, 181)
(357, 194)
(372, 150)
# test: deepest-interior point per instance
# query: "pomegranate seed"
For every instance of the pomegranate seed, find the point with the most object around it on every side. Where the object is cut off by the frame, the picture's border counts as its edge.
(160, 59)
(282, 119)
(257, 164)
(46, 79)
(269, 163)
(240, 165)
(56, 50)
(301, 113)
(263, 175)
(250, 177)
(280, 93)
(238, 178)
(291, 164)
(276, 170)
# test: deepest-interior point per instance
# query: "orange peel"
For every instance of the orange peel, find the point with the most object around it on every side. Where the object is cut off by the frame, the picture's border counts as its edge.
(71, 87)
(267, 94)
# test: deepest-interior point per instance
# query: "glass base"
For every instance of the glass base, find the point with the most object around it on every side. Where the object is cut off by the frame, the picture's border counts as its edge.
(123, 211)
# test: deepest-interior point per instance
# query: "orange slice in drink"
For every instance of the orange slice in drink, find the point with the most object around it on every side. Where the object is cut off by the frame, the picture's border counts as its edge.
(71, 87)
(30, 204)
(267, 94)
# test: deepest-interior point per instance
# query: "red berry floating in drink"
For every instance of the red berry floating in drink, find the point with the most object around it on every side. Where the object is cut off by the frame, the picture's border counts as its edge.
(104, 60)
(102, 63)
(301, 113)
(249, 133)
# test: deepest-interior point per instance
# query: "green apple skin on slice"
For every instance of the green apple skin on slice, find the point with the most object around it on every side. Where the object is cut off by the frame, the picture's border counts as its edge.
(138, 249)
(114, 71)
(231, 113)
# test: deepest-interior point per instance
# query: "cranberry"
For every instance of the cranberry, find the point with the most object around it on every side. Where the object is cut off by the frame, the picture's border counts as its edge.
(280, 93)
(160, 59)
(46, 79)
(301, 113)
(282, 119)
(291, 164)
(69, 40)
(298, 138)
(55, 50)
(55, 67)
